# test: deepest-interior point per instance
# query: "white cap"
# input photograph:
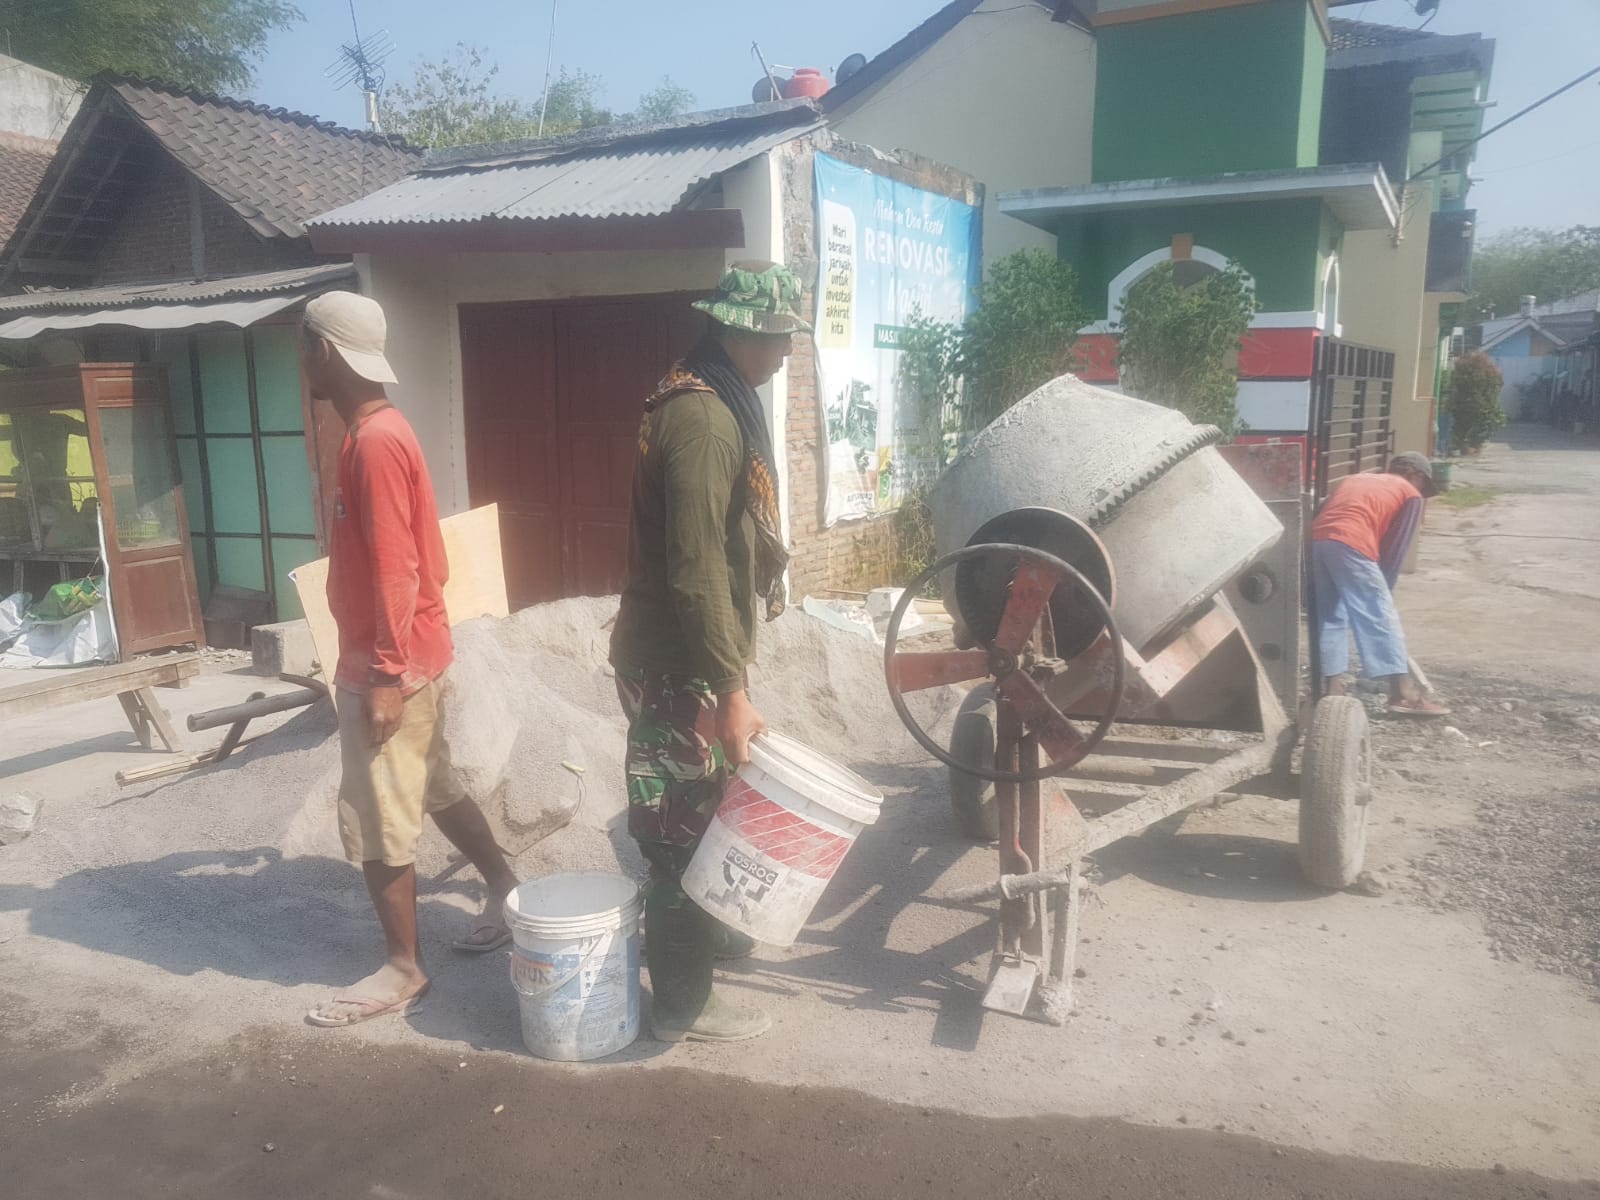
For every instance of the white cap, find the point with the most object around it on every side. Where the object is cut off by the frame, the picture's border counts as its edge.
(355, 327)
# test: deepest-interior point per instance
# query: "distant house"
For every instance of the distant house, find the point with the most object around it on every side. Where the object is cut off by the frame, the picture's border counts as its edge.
(35, 108)
(537, 291)
(1001, 90)
(1327, 157)
(169, 228)
(1530, 349)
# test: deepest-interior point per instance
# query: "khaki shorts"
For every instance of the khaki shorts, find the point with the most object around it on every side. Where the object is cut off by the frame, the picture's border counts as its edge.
(385, 791)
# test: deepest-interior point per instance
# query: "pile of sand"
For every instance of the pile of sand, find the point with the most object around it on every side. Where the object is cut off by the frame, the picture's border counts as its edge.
(535, 732)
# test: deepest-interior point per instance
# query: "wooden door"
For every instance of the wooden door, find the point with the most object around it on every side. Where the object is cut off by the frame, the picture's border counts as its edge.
(154, 594)
(553, 393)
(508, 384)
(609, 356)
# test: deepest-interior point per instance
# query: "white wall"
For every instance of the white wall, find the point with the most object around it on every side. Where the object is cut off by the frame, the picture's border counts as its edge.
(420, 295)
(1006, 96)
(756, 190)
(1382, 303)
(35, 103)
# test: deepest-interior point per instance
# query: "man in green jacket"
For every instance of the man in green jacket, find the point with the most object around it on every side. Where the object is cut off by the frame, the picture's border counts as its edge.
(703, 549)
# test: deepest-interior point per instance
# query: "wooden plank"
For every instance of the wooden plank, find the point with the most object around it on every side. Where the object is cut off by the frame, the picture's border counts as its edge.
(68, 685)
(476, 588)
(157, 717)
(136, 717)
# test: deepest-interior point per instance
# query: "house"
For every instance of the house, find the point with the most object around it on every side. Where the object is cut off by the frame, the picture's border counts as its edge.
(169, 229)
(537, 291)
(1002, 90)
(1416, 100)
(1531, 349)
(1266, 132)
(35, 108)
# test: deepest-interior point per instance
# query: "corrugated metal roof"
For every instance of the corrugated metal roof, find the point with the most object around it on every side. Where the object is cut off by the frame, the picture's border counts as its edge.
(630, 174)
(238, 313)
(298, 281)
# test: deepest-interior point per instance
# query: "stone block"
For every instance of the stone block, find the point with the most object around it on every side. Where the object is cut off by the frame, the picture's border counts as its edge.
(284, 648)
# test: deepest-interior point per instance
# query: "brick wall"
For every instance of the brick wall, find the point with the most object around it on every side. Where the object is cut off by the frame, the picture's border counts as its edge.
(153, 241)
(852, 555)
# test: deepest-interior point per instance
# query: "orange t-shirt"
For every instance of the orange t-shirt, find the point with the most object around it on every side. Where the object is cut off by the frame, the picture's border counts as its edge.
(388, 568)
(1361, 510)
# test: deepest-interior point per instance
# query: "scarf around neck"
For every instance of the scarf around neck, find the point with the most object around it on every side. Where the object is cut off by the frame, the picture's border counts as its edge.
(707, 368)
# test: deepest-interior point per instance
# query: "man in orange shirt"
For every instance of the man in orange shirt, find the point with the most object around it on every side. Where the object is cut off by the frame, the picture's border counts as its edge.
(1359, 539)
(386, 576)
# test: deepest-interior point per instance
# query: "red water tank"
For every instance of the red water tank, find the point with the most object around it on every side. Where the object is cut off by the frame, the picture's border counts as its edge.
(806, 81)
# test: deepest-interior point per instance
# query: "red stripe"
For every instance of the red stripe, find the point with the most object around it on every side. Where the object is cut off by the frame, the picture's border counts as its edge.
(1277, 353)
(1097, 358)
(779, 834)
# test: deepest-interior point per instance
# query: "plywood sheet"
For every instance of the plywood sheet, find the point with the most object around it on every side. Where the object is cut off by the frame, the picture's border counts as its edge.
(476, 588)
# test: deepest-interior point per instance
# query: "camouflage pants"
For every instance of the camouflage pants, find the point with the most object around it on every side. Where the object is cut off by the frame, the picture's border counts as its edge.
(675, 768)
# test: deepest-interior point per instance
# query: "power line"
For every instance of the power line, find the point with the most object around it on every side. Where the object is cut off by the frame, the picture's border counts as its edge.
(1566, 87)
(549, 61)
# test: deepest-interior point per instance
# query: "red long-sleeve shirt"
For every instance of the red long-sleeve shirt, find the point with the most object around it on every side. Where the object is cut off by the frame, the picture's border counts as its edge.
(388, 569)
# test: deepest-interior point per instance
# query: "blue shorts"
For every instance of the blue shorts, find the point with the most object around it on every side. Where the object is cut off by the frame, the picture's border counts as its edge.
(1354, 598)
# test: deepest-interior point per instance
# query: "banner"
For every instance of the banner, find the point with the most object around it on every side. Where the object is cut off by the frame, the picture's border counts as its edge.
(888, 250)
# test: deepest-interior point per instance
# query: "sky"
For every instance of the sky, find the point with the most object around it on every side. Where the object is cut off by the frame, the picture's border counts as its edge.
(1542, 171)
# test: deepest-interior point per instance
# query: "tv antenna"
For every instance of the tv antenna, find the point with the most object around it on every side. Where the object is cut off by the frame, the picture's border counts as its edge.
(361, 61)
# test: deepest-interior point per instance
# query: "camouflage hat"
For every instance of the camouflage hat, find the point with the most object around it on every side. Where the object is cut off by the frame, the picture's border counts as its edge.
(762, 297)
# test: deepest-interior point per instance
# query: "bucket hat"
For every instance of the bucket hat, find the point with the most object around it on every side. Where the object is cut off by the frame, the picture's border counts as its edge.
(762, 297)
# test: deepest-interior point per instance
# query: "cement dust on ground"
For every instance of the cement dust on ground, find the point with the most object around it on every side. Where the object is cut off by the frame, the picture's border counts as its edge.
(159, 948)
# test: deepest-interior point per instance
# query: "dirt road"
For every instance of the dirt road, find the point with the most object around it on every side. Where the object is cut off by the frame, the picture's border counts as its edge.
(157, 950)
(264, 1119)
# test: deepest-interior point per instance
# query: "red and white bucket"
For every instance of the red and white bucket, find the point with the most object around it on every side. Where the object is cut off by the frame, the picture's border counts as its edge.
(784, 826)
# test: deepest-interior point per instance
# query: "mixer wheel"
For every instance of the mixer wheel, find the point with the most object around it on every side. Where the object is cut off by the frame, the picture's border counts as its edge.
(1335, 792)
(972, 743)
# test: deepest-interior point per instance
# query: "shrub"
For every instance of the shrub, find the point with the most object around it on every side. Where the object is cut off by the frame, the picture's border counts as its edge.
(1020, 335)
(1473, 399)
(1180, 345)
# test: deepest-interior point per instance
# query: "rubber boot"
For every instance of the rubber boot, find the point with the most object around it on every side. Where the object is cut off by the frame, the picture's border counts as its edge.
(729, 943)
(679, 942)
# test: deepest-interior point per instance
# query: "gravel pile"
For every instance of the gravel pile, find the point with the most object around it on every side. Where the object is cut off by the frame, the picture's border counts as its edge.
(1530, 863)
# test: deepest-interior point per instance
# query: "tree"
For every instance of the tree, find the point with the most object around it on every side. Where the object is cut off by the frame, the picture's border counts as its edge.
(453, 101)
(449, 102)
(1551, 264)
(210, 45)
(664, 101)
(573, 104)
(1021, 333)
(1180, 345)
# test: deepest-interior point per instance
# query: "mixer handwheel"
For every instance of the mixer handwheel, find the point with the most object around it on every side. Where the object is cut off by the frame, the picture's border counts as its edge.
(1011, 659)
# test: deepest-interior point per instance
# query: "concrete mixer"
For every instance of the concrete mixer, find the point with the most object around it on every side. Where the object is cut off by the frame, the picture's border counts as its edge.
(1108, 564)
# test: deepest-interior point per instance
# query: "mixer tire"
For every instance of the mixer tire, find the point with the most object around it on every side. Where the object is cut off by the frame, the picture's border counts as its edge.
(973, 741)
(1335, 793)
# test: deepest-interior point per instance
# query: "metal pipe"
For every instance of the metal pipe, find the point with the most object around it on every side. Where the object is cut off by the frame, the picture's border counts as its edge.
(252, 709)
(1187, 792)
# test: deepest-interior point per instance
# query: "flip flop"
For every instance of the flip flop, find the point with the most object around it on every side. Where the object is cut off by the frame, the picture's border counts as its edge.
(1417, 708)
(368, 1010)
(501, 937)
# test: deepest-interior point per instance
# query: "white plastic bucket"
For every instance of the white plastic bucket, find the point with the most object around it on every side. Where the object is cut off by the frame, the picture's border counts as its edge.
(575, 964)
(784, 826)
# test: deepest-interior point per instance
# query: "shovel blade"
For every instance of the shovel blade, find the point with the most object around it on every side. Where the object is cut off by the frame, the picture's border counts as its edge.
(1011, 987)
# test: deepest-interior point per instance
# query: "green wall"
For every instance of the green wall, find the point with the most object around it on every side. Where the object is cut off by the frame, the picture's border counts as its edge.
(1281, 244)
(1236, 89)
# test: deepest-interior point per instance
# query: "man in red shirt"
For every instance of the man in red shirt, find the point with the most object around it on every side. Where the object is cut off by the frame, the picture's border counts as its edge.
(386, 579)
(1359, 539)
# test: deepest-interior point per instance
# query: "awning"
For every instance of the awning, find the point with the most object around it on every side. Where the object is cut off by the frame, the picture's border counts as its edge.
(238, 300)
(238, 313)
